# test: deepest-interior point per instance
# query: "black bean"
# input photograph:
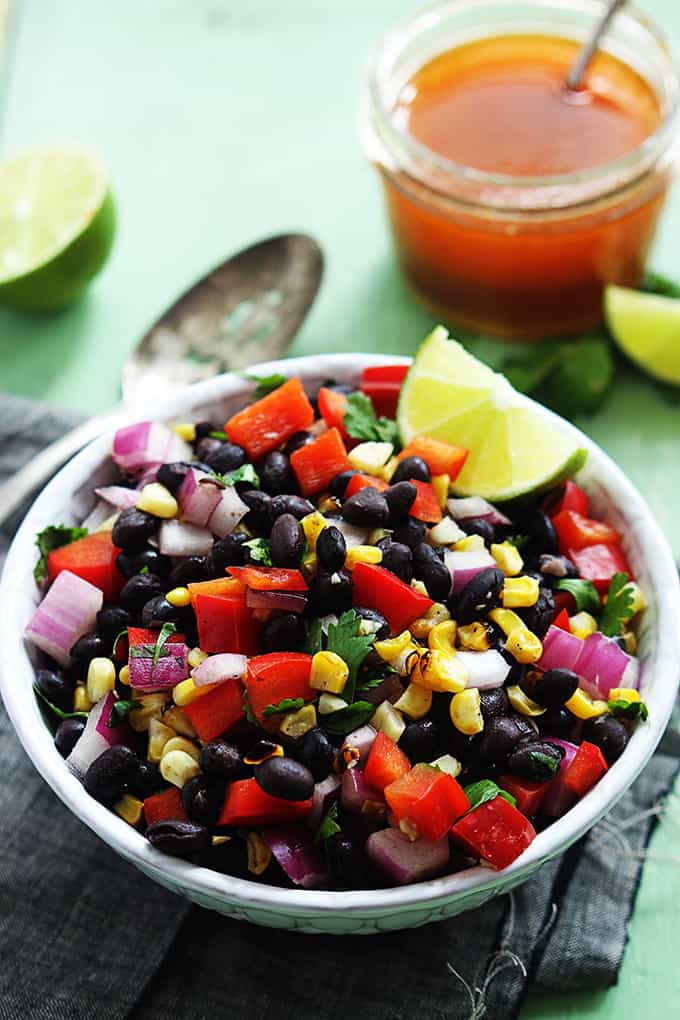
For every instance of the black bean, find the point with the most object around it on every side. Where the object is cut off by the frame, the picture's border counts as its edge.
(283, 633)
(556, 567)
(339, 483)
(411, 468)
(132, 529)
(557, 722)
(377, 621)
(190, 570)
(316, 752)
(410, 533)
(285, 778)
(539, 616)
(286, 542)
(420, 741)
(331, 548)
(346, 862)
(172, 475)
(90, 646)
(138, 590)
(225, 458)
(203, 429)
(57, 687)
(542, 531)
(111, 620)
(297, 441)
(479, 526)
(259, 516)
(150, 559)
(493, 703)
(206, 446)
(551, 688)
(276, 475)
(398, 559)
(158, 611)
(536, 759)
(147, 780)
(290, 504)
(480, 595)
(400, 498)
(367, 508)
(435, 575)
(607, 733)
(500, 737)
(109, 774)
(179, 839)
(222, 760)
(228, 552)
(202, 800)
(330, 593)
(67, 735)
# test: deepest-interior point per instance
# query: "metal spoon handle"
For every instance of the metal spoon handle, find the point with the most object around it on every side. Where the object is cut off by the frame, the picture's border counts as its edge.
(580, 65)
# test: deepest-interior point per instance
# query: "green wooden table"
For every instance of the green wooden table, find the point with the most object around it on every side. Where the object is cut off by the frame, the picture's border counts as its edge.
(227, 120)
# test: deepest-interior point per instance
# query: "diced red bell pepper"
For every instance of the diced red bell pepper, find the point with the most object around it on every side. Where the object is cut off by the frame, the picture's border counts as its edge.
(577, 532)
(573, 498)
(586, 769)
(380, 589)
(316, 464)
(215, 713)
(426, 505)
(165, 806)
(527, 792)
(562, 621)
(246, 804)
(92, 558)
(441, 458)
(144, 636)
(220, 586)
(386, 763)
(269, 578)
(564, 603)
(226, 624)
(358, 482)
(332, 407)
(276, 676)
(599, 563)
(267, 423)
(427, 800)
(495, 831)
(382, 383)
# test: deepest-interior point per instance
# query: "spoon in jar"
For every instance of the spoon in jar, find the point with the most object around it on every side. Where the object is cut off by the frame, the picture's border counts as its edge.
(578, 69)
(248, 309)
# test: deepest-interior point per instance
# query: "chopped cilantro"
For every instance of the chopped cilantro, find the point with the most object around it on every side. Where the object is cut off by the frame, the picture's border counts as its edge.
(329, 826)
(120, 710)
(584, 592)
(222, 436)
(377, 679)
(656, 283)
(247, 709)
(144, 570)
(361, 422)
(119, 637)
(314, 641)
(619, 606)
(59, 712)
(166, 630)
(285, 705)
(344, 639)
(628, 709)
(572, 377)
(545, 766)
(53, 537)
(266, 384)
(245, 473)
(260, 551)
(519, 541)
(345, 720)
(485, 790)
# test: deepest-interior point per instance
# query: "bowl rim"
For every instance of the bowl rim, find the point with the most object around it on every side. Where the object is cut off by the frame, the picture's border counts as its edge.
(16, 675)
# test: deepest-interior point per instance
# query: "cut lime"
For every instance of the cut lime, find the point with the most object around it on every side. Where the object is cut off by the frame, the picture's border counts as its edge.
(514, 449)
(57, 223)
(647, 328)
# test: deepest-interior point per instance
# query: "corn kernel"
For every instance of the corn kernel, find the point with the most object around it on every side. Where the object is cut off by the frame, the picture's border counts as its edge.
(181, 744)
(447, 763)
(362, 554)
(391, 649)
(259, 854)
(370, 458)
(81, 702)
(419, 587)
(176, 719)
(522, 703)
(179, 597)
(151, 706)
(178, 767)
(107, 525)
(465, 712)
(629, 642)
(329, 673)
(327, 505)
(312, 526)
(439, 671)
(409, 829)
(157, 500)
(196, 657)
(524, 646)
(386, 719)
(582, 624)
(329, 703)
(129, 808)
(639, 602)
(296, 724)
(415, 702)
(446, 532)
(624, 694)
(442, 637)
(471, 543)
(309, 565)
(436, 614)
(186, 430)
(583, 706)
(520, 592)
(473, 637)
(507, 558)
(101, 678)
(377, 535)
(506, 620)
(389, 469)
(124, 675)
(186, 691)
(159, 734)
(440, 484)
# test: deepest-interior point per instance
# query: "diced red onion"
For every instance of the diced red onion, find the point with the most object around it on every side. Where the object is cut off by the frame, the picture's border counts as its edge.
(403, 861)
(559, 799)
(325, 792)
(293, 849)
(485, 670)
(119, 734)
(170, 669)
(68, 611)
(136, 446)
(463, 566)
(362, 738)
(118, 496)
(178, 538)
(289, 601)
(352, 534)
(474, 506)
(604, 665)
(217, 668)
(96, 737)
(356, 791)
(561, 650)
(198, 496)
(228, 513)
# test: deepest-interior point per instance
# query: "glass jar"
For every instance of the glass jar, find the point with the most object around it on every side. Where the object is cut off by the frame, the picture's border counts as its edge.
(518, 256)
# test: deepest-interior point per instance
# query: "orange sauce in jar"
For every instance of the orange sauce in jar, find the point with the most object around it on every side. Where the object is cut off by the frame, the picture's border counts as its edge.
(499, 106)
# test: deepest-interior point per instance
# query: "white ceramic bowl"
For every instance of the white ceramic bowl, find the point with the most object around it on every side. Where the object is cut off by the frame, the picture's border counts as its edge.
(67, 499)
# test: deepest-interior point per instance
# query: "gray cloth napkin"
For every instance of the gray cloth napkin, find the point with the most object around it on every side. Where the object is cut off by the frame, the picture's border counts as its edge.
(83, 934)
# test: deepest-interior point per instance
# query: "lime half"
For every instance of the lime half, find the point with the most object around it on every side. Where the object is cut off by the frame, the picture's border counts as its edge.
(647, 328)
(514, 449)
(57, 223)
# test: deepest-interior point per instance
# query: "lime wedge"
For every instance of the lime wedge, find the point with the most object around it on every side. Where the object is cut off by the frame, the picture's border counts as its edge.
(647, 328)
(514, 449)
(57, 223)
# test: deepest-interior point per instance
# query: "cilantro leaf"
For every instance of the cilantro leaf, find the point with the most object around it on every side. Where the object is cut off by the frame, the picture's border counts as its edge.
(545, 766)
(618, 607)
(144, 570)
(377, 679)
(285, 705)
(656, 283)
(59, 712)
(628, 709)
(222, 436)
(245, 473)
(361, 422)
(120, 710)
(345, 720)
(329, 826)
(582, 377)
(53, 537)
(344, 639)
(247, 709)
(481, 792)
(260, 551)
(166, 630)
(519, 541)
(119, 637)
(314, 642)
(584, 592)
(266, 384)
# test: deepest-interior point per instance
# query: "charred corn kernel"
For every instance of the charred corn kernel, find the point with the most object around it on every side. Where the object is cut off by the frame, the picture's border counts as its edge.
(506, 620)
(129, 808)
(582, 624)
(439, 671)
(155, 499)
(179, 597)
(520, 592)
(196, 657)
(159, 734)
(186, 430)
(446, 532)
(296, 724)
(186, 691)
(522, 703)
(362, 554)
(312, 526)
(415, 702)
(436, 614)
(370, 458)
(176, 719)
(81, 702)
(328, 505)
(388, 469)
(151, 706)
(259, 854)
(624, 694)
(442, 637)
(329, 673)
(524, 646)
(181, 744)
(583, 706)
(178, 767)
(465, 712)
(471, 543)
(389, 721)
(447, 763)
(440, 484)
(507, 558)
(420, 588)
(101, 678)
(124, 675)
(329, 703)
(107, 525)
(391, 649)
(473, 637)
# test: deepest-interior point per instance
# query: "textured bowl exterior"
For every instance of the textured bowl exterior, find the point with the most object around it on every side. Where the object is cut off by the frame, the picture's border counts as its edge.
(69, 497)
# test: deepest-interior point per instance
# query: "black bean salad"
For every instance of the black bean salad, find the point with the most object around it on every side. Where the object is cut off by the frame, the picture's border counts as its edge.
(284, 648)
